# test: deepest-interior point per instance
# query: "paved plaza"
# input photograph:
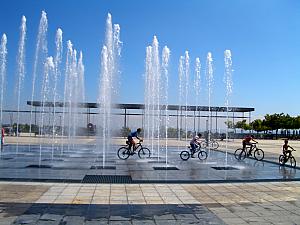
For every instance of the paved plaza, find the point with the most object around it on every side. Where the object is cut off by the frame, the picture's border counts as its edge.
(234, 203)
(72, 187)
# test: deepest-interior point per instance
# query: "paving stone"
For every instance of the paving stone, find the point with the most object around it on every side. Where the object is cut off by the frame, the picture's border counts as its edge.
(96, 222)
(164, 217)
(74, 220)
(143, 222)
(27, 219)
(51, 217)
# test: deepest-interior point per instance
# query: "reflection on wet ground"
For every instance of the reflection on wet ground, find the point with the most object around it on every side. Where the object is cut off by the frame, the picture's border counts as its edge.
(77, 164)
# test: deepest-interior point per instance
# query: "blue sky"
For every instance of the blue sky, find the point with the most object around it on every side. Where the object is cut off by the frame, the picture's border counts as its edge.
(263, 36)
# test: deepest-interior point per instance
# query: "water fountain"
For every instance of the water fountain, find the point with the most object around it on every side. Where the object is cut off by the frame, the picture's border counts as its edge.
(57, 73)
(197, 86)
(107, 86)
(20, 70)
(156, 95)
(184, 77)
(165, 65)
(229, 84)
(209, 78)
(49, 70)
(3, 54)
(41, 53)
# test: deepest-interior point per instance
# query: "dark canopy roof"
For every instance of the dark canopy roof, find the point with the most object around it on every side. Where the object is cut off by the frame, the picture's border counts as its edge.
(142, 106)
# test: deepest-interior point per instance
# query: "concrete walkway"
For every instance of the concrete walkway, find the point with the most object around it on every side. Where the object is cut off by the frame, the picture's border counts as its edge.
(238, 203)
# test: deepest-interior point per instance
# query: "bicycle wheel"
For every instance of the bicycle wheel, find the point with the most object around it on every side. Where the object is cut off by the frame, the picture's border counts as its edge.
(240, 154)
(203, 144)
(293, 161)
(202, 155)
(184, 155)
(123, 153)
(144, 153)
(281, 160)
(259, 154)
(215, 145)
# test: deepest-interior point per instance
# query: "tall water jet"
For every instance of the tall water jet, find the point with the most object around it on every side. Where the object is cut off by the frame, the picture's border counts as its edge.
(3, 54)
(107, 83)
(68, 73)
(181, 92)
(184, 76)
(148, 93)
(156, 95)
(197, 86)
(228, 83)
(165, 65)
(80, 71)
(48, 71)
(73, 99)
(57, 73)
(187, 78)
(20, 69)
(41, 53)
(209, 78)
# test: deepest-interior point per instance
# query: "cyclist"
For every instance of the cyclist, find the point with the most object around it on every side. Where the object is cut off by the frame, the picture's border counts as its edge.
(131, 136)
(2, 137)
(285, 149)
(247, 141)
(194, 143)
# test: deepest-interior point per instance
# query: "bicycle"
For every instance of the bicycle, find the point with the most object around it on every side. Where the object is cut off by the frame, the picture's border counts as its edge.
(212, 144)
(185, 155)
(283, 159)
(241, 154)
(124, 152)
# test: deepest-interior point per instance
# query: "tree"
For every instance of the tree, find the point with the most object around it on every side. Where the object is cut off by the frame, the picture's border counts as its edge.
(229, 124)
(274, 121)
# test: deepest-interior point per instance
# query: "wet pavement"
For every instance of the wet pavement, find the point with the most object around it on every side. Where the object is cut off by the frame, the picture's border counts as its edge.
(83, 164)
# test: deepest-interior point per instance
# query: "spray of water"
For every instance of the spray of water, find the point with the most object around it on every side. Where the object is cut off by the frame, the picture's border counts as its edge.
(156, 95)
(165, 65)
(57, 63)
(209, 78)
(48, 71)
(197, 86)
(107, 83)
(228, 83)
(20, 70)
(187, 78)
(3, 55)
(66, 108)
(41, 53)
(180, 100)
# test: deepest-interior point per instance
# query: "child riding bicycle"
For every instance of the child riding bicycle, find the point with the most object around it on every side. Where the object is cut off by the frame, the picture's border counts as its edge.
(130, 137)
(285, 149)
(195, 143)
(247, 141)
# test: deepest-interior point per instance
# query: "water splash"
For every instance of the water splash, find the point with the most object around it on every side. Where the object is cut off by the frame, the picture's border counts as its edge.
(49, 69)
(181, 92)
(80, 71)
(155, 94)
(107, 83)
(68, 72)
(184, 76)
(187, 78)
(228, 83)
(197, 86)
(41, 49)
(209, 78)
(165, 65)
(57, 73)
(3, 55)
(20, 70)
